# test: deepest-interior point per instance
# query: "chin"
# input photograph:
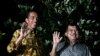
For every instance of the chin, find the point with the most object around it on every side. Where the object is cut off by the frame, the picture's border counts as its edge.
(34, 27)
(73, 37)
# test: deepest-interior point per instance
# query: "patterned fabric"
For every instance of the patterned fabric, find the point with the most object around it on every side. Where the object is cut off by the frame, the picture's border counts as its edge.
(30, 45)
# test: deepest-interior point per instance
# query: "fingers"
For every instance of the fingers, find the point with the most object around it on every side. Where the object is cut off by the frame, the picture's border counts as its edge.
(61, 38)
(28, 32)
(56, 38)
(21, 29)
(56, 35)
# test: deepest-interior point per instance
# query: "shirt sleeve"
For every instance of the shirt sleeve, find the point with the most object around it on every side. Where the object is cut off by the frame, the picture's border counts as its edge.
(60, 48)
(11, 46)
(87, 52)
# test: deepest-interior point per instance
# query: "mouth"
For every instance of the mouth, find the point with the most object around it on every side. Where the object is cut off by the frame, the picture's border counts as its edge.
(73, 35)
(34, 24)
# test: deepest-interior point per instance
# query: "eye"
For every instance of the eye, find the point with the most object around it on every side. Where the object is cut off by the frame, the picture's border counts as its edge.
(70, 30)
(34, 17)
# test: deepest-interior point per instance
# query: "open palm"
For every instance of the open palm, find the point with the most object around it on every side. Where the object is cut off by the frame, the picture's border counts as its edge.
(56, 38)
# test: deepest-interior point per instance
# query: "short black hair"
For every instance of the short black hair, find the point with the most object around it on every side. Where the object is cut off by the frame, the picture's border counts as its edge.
(64, 27)
(28, 12)
(72, 24)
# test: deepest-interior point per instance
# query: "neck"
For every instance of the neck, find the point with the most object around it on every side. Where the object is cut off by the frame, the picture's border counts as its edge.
(72, 42)
(29, 28)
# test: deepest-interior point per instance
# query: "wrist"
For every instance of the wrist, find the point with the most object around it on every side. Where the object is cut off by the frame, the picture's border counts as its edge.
(21, 36)
(54, 45)
(18, 40)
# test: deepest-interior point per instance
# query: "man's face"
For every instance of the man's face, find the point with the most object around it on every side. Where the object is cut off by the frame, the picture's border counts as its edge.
(32, 19)
(72, 33)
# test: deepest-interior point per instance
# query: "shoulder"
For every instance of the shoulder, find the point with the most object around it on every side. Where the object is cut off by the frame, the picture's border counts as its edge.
(81, 46)
(17, 31)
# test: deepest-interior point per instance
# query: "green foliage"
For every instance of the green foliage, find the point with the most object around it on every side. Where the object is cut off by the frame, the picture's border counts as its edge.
(55, 13)
(1, 35)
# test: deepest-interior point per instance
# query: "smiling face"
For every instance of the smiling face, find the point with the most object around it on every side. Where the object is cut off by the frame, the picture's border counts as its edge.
(72, 33)
(32, 19)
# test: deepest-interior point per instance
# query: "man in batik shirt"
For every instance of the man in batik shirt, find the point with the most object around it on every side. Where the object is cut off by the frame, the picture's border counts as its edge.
(24, 41)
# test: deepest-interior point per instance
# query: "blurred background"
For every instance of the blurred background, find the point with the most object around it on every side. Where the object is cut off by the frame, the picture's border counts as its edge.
(52, 15)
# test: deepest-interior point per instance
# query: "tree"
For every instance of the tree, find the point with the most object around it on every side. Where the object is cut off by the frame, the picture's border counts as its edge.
(55, 13)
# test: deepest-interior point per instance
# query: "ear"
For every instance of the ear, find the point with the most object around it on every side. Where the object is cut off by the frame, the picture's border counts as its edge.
(65, 34)
(26, 20)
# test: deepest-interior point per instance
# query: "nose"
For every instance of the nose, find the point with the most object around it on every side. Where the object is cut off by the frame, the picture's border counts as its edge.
(35, 20)
(73, 31)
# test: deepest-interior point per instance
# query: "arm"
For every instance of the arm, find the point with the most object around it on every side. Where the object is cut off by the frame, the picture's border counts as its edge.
(11, 46)
(56, 40)
(88, 52)
(53, 51)
(23, 34)
(17, 42)
(17, 38)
